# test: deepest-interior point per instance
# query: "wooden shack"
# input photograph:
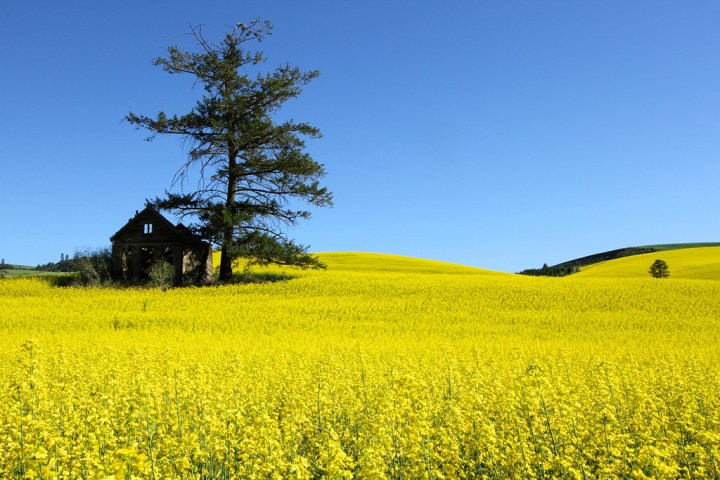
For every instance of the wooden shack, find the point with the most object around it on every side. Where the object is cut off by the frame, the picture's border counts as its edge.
(149, 237)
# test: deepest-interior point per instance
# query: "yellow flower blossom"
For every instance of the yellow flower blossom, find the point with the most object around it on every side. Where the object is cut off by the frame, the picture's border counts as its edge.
(412, 370)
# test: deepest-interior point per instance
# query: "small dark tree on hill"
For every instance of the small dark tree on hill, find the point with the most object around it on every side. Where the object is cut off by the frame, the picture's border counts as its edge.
(659, 269)
(253, 169)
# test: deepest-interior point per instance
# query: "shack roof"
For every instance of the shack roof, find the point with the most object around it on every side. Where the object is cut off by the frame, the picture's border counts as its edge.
(150, 225)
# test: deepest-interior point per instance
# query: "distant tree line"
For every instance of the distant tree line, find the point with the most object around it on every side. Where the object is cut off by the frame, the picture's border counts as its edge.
(554, 271)
(96, 259)
(5, 266)
(66, 264)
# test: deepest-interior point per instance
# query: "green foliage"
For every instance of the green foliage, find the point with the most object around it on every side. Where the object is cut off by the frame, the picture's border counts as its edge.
(264, 249)
(162, 274)
(252, 168)
(93, 267)
(66, 264)
(554, 271)
(659, 269)
(260, 277)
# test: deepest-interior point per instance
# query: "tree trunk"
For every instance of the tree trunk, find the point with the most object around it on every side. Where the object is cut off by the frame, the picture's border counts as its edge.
(229, 232)
(225, 262)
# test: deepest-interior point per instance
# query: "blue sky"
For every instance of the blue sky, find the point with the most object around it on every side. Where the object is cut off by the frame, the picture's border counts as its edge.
(499, 134)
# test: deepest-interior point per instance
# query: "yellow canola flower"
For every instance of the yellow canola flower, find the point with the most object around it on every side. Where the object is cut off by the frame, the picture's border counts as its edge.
(393, 369)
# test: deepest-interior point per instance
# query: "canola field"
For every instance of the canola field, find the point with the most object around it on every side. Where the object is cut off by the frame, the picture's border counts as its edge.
(695, 263)
(378, 367)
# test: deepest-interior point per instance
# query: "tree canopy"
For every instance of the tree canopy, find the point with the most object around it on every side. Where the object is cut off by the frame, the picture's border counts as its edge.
(254, 170)
(659, 269)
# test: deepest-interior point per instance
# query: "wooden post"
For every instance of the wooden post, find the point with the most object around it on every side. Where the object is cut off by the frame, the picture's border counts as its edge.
(178, 263)
(136, 263)
(116, 262)
(207, 276)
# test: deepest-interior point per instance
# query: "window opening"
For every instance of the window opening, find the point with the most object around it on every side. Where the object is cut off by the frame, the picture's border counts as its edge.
(148, 228)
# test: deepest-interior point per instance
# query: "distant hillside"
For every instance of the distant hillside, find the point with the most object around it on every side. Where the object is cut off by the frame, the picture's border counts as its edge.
(574, 266)
(694, 262)
(10, 271)
(380, 262)
(679, 246)
(364, 263)
(13, 271)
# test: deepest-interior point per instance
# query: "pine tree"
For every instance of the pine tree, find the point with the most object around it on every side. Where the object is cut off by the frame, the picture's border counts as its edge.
(252, 167)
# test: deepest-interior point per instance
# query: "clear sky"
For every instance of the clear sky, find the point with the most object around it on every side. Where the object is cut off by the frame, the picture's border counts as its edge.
(500, 134)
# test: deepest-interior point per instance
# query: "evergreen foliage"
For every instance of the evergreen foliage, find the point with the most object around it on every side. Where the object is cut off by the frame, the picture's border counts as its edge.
(66, 264)
(547, 271)
(252, 168)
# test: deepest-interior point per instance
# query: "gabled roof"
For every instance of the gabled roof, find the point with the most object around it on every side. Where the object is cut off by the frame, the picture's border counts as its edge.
(151, 215)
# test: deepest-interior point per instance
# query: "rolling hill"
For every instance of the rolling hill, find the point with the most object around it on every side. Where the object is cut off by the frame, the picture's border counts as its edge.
(691, 261)
(695, 262)
(363, 262)
(381, 262)
(572, 267)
